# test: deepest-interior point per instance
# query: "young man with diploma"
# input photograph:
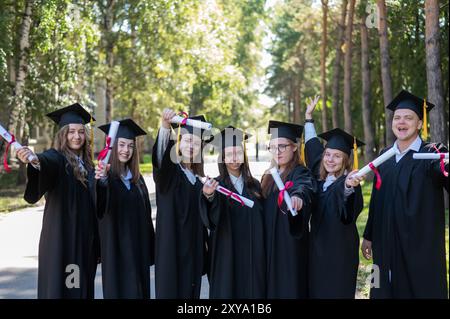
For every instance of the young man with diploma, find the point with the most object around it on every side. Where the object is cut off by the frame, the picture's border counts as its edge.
(237, 258)
(405, 231)
(180, 252)
(68, 246)
(286, 234)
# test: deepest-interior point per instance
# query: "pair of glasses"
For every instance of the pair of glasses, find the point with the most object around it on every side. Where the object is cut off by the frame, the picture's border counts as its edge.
(280, 147)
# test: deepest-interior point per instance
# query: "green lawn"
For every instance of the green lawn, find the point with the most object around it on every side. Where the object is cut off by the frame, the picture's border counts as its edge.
(364, 265)
(11, 198)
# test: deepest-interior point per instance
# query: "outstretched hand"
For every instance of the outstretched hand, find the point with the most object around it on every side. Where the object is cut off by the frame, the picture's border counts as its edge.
(311, 106)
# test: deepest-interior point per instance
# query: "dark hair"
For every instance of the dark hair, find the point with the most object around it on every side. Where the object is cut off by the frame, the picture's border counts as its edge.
(267, 182)
(132, 164)
(249, 182)
(62, 146)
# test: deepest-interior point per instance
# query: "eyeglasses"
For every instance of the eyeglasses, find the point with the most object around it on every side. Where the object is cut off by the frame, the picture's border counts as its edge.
(280, 147)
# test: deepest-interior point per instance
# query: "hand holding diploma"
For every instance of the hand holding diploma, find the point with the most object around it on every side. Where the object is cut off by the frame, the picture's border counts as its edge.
(210, 185)
(372, 166)
(26, 156)
(283, 192)
(194, 123)
(110, 139)
(443, 157)
(102, 170)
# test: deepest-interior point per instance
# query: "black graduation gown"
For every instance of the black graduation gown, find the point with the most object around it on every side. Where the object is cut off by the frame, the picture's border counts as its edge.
(180, 253)
(287, 239)
(236, 246)
(69, 233)
(127, 239)
(334, 238)
(406, 225)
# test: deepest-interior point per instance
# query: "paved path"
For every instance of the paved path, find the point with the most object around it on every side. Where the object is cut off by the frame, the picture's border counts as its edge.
(19, 238)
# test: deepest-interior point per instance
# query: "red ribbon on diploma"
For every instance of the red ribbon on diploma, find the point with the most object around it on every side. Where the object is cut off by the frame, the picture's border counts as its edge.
(185, 115)
(288, 185)
(233, 195)
(5, 156)
(442, 161)
(104, 151)
(377, 174)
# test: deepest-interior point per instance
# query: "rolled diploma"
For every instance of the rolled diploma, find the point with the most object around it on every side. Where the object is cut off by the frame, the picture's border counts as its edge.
(429, 156)
(280, 185)
(112, 134)
(5, 134)
(376, 162)
(225, 191)
(194, 123)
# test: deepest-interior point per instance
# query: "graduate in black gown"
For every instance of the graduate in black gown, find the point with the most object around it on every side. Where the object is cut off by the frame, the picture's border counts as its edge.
(68, 246)
(237, 256)
(127, 237)
(180, 255)
(287, 235)
(334, 238)
(406, 225)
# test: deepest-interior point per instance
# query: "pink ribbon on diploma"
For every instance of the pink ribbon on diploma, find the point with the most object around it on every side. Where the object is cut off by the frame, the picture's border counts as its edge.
(104, 151)
(442, 164)
(185, 115)
(5, 156)
(288, 185)
(377, 174)
(233, 195)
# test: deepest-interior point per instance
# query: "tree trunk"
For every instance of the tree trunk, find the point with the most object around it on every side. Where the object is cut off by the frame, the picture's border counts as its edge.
(109, 46)
(323, 56)
(348, 70)
(437, 116)
(337, 67)
(17, 106)
(296, 98)
(386, 78)
(369, 131)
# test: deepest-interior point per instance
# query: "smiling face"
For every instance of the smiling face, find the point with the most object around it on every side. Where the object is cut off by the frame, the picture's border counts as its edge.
(125, 149)
(406, 124)
(282, 150)
(76, 137)
(333, 160)
(190, 146)
(233, 157)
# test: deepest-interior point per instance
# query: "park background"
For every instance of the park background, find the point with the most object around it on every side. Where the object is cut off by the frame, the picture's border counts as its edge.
(239, 62)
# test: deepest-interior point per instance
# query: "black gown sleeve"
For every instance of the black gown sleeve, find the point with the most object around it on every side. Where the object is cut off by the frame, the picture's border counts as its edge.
(163, 174)
(349, 208)
(102, 193)
(369, 225)
(434, 166)
(305, 187)
(313, 152)
(42, 180)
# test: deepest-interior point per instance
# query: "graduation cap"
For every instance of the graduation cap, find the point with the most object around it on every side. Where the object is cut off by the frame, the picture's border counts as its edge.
(72, 114)
(407, 100)
(340, 140)
(127, 129)
(287, 130)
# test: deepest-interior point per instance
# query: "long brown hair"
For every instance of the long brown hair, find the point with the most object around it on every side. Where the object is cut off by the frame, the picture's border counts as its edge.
(197, 168)
(267, 182)
(132, 164)
(249, 181)
(346, 166)
(61, 145)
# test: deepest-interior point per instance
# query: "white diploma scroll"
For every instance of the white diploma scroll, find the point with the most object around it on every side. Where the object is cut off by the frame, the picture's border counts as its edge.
(7, 136)
(280, 185)
(194, 123)
(376, 162)
(227, 192)
(113, 128)
(429, 156)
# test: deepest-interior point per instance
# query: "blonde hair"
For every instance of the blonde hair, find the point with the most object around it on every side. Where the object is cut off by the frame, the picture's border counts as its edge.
(346, 166)
(62, 145)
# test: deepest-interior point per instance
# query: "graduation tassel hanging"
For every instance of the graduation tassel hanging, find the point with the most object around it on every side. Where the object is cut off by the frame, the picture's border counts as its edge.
(245, 147)
(425, 122)
(355, 154)
(92, 137)
(302, 152)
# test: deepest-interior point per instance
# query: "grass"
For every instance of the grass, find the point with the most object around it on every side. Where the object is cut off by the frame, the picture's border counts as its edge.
(11, 198)
(362, 286)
